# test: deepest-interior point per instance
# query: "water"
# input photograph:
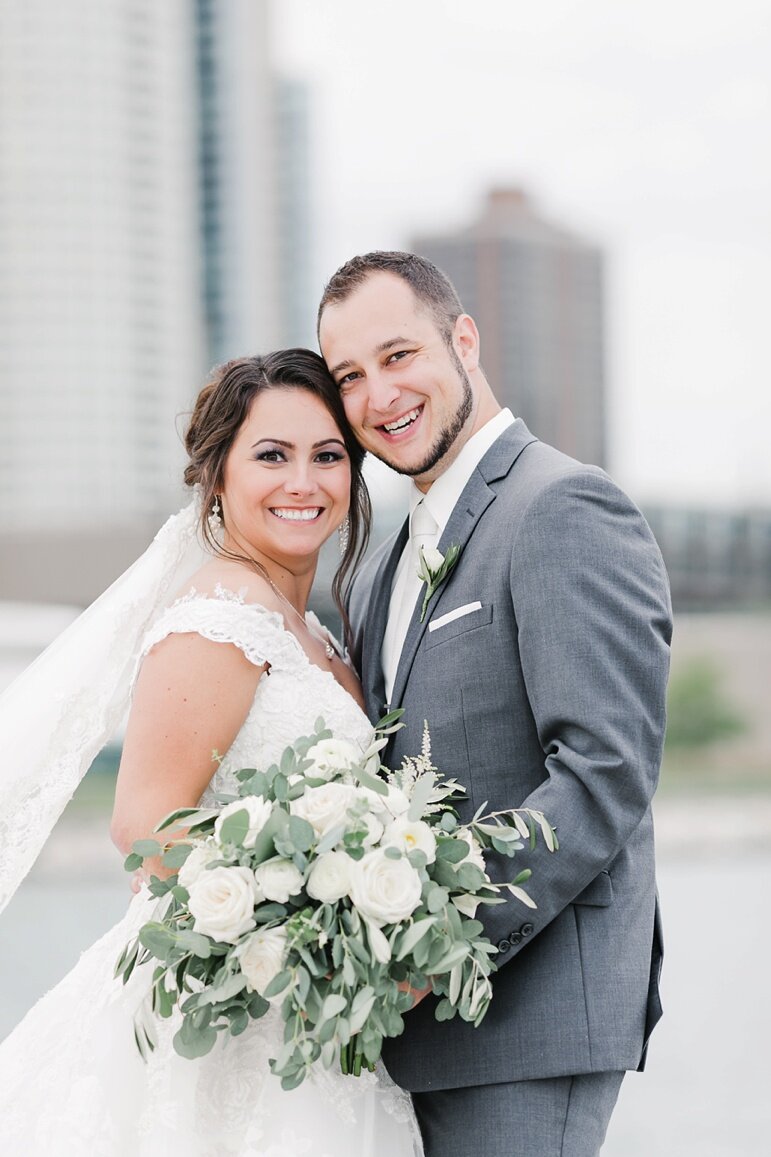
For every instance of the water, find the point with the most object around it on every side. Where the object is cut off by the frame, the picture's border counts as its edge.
(705, 1091)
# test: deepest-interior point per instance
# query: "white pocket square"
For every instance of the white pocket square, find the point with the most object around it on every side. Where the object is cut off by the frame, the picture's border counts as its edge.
(458, 613)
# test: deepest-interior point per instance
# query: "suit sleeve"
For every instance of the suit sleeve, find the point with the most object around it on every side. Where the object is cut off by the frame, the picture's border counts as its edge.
(591, 600)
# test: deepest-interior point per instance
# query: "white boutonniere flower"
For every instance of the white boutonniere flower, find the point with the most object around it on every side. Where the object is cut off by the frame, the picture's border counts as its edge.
(433, 569)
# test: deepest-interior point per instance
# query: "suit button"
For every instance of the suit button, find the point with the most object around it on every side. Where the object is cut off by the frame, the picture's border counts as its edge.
(503, 946)
(515, 938)
(527, 929)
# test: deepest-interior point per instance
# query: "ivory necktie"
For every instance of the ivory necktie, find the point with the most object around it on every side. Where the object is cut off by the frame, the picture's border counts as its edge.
(423, 533)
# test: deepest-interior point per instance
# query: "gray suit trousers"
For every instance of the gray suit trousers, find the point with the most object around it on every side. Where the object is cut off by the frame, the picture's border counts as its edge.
(554, 1117)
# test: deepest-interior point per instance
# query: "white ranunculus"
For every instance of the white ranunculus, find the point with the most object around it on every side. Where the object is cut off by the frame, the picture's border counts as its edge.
(263, 957)
(324, 807)
(278, 880)
(222, 902)
(475, 855)
(258, 810)
(331, 756)
(196, 862)
(411, 836)
(384, 890)
(330, 877)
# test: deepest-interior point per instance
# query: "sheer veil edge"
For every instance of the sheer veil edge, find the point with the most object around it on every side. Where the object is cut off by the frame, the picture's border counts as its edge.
(60, 712)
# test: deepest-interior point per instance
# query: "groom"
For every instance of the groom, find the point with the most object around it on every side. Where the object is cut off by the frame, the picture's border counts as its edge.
(541, 668)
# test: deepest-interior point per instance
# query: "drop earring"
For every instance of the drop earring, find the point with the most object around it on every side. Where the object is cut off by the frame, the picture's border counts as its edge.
(214, 520)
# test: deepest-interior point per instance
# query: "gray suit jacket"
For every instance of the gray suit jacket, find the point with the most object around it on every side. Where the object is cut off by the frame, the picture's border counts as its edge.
(552, 695)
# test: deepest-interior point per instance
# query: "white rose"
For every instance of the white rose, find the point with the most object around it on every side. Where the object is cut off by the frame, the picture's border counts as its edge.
(222, 901)
(324, 807)
(331, 756)
(330, 877)
(429, 561)
(196, 862)
(475, 856)
(384, 890)
(258, 810)
(278, 880)
(434, 558)
(263, 957)
(411, 836)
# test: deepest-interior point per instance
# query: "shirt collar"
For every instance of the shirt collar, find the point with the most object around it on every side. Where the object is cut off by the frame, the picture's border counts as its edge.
(444, 493)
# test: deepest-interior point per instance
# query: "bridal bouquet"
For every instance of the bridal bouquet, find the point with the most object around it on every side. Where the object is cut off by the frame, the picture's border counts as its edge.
(330, 886)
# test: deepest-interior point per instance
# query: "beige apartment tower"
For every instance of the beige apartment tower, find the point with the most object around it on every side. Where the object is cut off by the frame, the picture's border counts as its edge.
(536, 292)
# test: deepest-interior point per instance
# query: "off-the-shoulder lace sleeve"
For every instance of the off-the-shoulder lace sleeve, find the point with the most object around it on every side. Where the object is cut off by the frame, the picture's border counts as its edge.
(224, 617)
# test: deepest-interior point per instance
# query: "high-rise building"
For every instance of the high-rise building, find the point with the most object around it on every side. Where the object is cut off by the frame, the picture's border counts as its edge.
(254, 183)
(238, 182)
(536, 293)
(100, 315)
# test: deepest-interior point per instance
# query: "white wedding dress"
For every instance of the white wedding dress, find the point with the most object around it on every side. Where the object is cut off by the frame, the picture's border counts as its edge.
(71, 1078)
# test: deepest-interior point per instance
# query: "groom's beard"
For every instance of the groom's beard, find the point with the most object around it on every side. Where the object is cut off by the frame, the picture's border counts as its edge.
(446, 437)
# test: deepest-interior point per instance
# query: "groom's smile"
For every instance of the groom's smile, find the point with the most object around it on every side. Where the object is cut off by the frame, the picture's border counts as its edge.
(397, 428)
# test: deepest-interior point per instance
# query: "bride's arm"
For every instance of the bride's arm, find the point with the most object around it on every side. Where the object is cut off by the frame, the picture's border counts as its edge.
(191, 699)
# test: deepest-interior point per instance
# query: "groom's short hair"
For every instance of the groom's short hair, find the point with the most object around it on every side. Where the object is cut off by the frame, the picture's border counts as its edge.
(430, 285)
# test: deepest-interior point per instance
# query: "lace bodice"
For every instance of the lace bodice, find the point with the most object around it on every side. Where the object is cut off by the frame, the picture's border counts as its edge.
(289, 699)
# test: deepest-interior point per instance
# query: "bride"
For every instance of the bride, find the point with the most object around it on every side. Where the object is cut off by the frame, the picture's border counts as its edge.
(229, 661)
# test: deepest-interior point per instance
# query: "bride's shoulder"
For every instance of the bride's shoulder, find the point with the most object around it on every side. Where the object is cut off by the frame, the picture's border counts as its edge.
(224, 580)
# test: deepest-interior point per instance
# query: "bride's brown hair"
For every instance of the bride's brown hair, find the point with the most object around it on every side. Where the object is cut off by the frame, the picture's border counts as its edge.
(220, 410)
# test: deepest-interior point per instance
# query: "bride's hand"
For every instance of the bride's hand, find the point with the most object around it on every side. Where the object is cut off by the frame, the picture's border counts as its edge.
(417, 994)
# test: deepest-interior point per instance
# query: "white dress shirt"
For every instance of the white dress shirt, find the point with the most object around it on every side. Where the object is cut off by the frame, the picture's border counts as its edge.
(439, 501)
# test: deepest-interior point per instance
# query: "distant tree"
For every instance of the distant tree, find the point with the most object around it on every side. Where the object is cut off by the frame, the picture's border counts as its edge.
(699, 713)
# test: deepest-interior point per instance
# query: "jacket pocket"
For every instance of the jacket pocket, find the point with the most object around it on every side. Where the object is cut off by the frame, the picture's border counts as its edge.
(597, 894)
(461, 626)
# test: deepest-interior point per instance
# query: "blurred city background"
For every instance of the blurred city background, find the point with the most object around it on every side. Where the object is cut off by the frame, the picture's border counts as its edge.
(177, 182)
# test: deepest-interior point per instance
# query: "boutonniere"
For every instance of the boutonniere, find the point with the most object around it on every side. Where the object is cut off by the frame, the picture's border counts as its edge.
(433, 569)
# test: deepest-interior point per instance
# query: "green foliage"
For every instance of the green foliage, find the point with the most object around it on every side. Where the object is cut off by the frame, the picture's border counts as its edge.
(699, 713)
(345, 980)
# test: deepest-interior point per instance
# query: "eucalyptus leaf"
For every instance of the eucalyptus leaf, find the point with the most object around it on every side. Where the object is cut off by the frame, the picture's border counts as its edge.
(436, 898)
(389, 719)
(333, 1005)
(177, 855)
(188, 814)
(146, 848)
(192, 1043)
(265, 913)
(452, 850)
(234, 828)
(277, 985)
(413, 934)
(421, 794)
(301, 833)
(521, 895)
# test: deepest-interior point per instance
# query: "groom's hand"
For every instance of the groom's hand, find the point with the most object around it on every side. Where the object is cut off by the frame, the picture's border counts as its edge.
(417, 994)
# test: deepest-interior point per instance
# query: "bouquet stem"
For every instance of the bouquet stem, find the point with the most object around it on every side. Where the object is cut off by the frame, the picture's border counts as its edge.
(352, 1060)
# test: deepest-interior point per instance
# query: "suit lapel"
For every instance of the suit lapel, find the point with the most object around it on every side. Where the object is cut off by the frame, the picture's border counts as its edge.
(376, 620)
(473, 502)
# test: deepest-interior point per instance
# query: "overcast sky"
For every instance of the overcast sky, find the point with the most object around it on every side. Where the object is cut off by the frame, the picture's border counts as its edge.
(643, 125)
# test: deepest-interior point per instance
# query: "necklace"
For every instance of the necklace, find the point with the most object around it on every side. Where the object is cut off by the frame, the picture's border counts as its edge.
(329, 650)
